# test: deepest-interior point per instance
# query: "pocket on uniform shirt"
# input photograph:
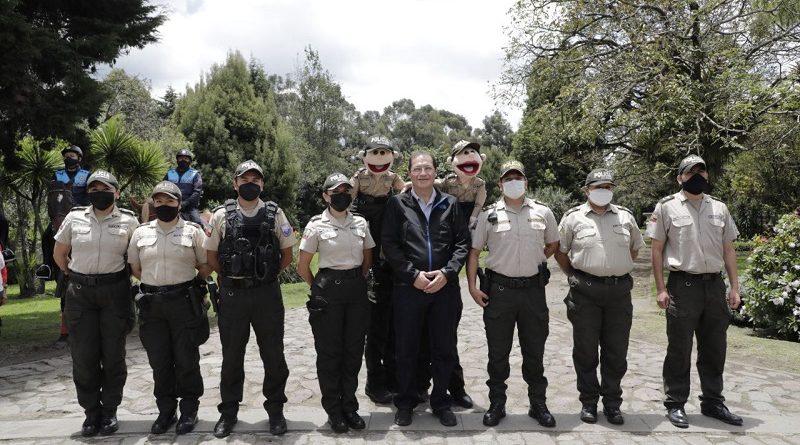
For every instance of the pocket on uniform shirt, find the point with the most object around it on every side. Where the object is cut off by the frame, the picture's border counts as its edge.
(623, 236)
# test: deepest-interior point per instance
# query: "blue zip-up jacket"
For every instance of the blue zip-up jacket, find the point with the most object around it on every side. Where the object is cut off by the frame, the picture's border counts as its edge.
(190, 184)
(412, 244)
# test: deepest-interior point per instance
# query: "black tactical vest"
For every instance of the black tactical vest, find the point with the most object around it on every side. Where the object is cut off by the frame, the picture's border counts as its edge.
(250, 248)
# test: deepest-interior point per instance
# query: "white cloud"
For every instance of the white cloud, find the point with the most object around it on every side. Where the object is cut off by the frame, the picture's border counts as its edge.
(439, 52)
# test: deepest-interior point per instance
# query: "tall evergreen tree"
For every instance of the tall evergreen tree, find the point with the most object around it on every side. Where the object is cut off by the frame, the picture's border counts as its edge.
(227, 123)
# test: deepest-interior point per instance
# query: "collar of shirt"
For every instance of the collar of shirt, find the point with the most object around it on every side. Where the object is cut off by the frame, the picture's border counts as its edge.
(683, 198)
(586, 208)
(154, 224)
(423, 204)
(89, 212)
(501, 205)
(327, 217)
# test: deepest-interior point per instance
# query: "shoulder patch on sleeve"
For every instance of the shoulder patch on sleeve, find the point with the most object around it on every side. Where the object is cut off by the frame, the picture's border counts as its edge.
(666, 198)
(572, 210)
(625, 209)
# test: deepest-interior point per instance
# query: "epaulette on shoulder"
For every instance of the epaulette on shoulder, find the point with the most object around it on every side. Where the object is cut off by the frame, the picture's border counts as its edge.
(625, 209)
(666, 198)
(538, 202)
(144, 224)
(81, 208)
(489, 207)
(714, 198)
(572, 210)
(193, 224)
(127, 212)
(316, 218)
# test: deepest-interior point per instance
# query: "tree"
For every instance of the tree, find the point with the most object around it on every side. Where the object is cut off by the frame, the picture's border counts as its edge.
(129, 99)
(656, 79)
(228, 123)
(29, 182)
(48, 53)
(166, 106)
(496, 132)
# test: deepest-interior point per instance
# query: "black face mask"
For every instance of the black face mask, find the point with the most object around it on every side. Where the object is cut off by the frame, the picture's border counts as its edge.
(249, 191)
(101, 200)
(166, 213)
(71, 162)
(695, 185)
(341, 201)
(183, 165)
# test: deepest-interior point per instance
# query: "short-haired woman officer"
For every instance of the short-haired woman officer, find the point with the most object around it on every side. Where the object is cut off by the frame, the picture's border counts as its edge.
(164, 254)
(338, 304)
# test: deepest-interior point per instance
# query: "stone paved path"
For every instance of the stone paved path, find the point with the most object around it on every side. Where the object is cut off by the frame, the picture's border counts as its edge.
(38, 405)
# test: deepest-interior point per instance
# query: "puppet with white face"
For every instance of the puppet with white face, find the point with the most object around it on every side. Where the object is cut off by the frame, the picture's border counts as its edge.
(470, 190)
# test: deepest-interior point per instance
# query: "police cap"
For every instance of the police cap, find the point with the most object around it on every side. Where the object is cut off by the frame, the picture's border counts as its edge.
(104, 177)
(512, 166)
(462, 145)
(688, 162)
(248, 165)
(335, 180)
(375, 142)
(599, 176)
(167, 188)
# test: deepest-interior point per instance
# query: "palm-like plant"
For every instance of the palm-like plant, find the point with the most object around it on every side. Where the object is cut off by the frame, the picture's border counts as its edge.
(135, 163)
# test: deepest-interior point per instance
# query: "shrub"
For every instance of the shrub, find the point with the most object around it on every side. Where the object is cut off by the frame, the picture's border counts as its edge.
(558, 199)
(772, 288)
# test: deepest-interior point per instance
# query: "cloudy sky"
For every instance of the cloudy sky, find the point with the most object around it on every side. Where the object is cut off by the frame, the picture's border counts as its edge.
(445, 53)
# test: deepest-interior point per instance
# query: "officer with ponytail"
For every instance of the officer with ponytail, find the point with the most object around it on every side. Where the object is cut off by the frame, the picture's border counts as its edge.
(338, 306)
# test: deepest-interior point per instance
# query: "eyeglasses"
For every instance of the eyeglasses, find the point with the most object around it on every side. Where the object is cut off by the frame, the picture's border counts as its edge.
(422, 169)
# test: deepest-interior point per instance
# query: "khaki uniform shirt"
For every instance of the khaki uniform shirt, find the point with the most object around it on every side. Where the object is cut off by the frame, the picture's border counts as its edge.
(693, 238)
(283, 230)
(375, 185)
(340, 244)
(169, 257)
(600, 244)
(475, 191)
(516, 241)
(98, 247)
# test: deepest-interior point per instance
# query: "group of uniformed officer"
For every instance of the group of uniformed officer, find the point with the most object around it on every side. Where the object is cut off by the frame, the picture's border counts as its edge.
(251, 241)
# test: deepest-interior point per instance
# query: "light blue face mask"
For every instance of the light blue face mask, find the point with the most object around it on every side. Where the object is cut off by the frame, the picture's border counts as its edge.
(514, 189)
(601, 197)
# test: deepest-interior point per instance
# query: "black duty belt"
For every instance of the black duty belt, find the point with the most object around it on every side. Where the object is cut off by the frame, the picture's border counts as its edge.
(242, 283)
(604, 280)
(349, 273)
(696, 276)
(99, 279)
(513, 282)
(148, 289)
(368, 199)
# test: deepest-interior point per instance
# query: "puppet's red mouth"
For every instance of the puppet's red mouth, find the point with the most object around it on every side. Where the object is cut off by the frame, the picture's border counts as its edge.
(469, 168)
(378, 168)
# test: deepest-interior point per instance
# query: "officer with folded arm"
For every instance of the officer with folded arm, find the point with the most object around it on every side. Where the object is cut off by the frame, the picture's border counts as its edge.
(521, 234)
(164, 255)
(338, 305)
(98, 307)
(599, 242)
(250, 243)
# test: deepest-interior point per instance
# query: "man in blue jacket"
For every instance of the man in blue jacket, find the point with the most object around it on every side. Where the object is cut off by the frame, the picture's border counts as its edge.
(426, 241)
(190, 184)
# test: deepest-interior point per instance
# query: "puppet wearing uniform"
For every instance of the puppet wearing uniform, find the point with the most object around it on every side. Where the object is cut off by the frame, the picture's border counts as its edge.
(373, 184)
(470, 190)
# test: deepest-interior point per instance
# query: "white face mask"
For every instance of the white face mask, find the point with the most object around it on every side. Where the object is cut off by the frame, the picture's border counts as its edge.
(514, 189)
(600, 197)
